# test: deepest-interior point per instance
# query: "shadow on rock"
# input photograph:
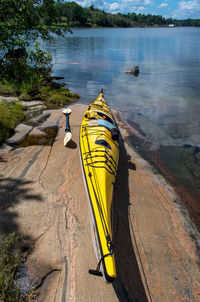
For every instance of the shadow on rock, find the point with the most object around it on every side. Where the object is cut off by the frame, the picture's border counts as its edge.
(131, 166)
(12, 192)
(128, 285)
(71, 144)
(2, 160)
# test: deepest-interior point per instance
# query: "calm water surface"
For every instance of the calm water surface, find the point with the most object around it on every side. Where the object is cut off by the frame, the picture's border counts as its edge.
(164, 99)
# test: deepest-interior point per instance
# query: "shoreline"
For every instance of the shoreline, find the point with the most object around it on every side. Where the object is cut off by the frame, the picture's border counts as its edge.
(49, 204)
(24, 131)
(27, 110)
(185, 194)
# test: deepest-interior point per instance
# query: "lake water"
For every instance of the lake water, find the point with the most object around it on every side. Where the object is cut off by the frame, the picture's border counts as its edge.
(163, 98)
(162, 104)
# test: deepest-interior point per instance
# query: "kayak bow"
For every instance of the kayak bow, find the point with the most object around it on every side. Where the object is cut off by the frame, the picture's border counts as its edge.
(99, 152)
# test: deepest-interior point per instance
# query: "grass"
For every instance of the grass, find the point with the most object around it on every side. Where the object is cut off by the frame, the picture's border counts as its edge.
(11, 114)
(6, 88)
(10, 259)
(30, 85)
(18, 77)
(54, 95)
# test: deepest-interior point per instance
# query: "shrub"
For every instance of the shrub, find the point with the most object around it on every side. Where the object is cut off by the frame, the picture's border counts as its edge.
(9, 261)
(11, 114)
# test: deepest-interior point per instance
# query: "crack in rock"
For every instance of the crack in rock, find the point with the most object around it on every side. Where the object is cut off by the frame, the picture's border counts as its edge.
(39, 285)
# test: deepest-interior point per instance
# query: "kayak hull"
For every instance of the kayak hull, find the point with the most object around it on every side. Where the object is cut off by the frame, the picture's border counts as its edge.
(99, 160)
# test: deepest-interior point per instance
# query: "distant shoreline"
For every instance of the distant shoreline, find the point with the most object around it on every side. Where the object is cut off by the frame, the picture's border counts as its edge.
(115, 27)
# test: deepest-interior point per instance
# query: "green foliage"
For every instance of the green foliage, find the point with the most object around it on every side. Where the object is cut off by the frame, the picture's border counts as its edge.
(21, 20)
(189, 22)
(40, 60)
(9, 261)
(101, 19)
(75, 14)
(11, 114)
(121, 21)
(56, 96)
(23, 78)
(78, 16)
(21, 23)
(29, 85)
(6, 88)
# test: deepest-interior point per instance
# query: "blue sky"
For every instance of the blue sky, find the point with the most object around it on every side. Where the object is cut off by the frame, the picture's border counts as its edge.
(179, 9)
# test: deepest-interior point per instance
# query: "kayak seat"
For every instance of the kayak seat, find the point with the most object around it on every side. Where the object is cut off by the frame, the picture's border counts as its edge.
(114, 131)
(106, 124)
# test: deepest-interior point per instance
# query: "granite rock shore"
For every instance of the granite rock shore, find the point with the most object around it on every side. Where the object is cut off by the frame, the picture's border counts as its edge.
(43, 197)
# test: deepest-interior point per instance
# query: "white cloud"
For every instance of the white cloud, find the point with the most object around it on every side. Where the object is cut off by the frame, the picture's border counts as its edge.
(189, 5)
(112, 8)
(122, 6)
(163, 5)
(188, 9)
(87, 3)
(126, 6)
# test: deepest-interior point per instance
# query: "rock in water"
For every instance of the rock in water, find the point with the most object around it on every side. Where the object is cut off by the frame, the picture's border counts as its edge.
(134, 70)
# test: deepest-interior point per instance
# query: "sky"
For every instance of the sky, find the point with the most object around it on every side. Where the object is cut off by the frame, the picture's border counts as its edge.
(177, 9)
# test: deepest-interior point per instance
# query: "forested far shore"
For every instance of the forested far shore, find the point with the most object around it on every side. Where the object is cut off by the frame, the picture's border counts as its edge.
(72, 14)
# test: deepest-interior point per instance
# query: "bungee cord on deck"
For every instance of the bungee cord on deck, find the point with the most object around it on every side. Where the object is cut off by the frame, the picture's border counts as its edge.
(97, 192)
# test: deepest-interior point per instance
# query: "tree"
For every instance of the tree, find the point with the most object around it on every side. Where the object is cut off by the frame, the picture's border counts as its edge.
(76, 14)
(101, 19)
(21, 23)
(24, 19)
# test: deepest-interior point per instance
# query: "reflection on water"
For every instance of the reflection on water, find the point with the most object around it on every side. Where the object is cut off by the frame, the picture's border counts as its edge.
(163, 99)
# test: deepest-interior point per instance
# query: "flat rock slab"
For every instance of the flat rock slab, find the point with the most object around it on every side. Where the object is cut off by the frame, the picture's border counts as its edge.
(31, 103)
(37, 132)
(21, 131)
(40, 118)
(42, 195)
(51, 121)
(9, 99)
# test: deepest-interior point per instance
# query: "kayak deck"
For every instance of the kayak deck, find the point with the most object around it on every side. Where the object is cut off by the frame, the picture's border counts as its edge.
(99, 157)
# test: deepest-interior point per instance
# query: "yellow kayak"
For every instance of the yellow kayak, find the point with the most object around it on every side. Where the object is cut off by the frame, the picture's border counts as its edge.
(99, 152)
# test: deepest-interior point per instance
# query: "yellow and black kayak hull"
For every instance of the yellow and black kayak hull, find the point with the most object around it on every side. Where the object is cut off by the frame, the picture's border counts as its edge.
(99, 152)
